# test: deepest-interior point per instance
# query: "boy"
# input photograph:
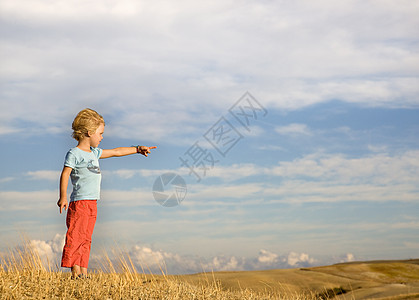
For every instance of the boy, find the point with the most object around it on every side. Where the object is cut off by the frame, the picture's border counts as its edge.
(82, 165)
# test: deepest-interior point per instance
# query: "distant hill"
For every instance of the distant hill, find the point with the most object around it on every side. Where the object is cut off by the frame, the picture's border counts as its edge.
(392, 279)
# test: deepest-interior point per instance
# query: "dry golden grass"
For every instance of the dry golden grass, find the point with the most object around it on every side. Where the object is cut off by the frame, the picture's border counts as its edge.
(24, 276)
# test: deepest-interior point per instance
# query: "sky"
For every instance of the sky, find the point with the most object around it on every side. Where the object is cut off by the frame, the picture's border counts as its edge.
(293, 125)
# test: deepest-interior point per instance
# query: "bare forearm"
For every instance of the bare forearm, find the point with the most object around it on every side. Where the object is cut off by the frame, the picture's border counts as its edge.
(123, 151)
(63, 187)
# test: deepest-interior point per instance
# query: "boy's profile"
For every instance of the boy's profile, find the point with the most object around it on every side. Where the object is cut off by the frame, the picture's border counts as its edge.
(82, 166)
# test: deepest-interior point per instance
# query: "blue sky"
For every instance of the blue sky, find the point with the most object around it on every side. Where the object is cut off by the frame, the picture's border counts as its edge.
(328, 174)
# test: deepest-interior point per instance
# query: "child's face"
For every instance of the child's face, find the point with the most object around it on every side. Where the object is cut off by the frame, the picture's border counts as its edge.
(96, 137)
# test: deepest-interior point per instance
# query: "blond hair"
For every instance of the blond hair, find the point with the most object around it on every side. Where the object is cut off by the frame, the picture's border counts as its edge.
(87, 121)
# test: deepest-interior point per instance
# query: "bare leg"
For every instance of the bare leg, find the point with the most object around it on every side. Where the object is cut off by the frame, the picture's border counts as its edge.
(83, 270)
(75, 270)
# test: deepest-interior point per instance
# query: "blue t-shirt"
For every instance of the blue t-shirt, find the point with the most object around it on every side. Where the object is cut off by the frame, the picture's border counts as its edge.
(85, 175)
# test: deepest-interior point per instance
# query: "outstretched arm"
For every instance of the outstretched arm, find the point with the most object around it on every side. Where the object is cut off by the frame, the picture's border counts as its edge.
(122, 151)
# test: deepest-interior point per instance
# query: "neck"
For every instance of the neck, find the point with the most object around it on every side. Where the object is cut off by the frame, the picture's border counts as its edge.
(84, 145)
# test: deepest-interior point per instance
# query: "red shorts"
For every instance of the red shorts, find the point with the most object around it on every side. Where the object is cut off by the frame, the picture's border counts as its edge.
(81, 219)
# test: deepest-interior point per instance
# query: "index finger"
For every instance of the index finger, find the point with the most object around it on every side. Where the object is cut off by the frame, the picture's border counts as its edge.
(61, 208)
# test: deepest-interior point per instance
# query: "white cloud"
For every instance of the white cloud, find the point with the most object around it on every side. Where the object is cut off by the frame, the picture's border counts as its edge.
(270, 148)
(6, 179)
(234, 171)
(57, 10)
(125, 174)
(127, 198)
(378, 148)
(300, 260)
(411, 245)
(406, 225)
(378, 169)
(254, 131)
(129, 173)
(223, 263)
(218, 193)
(179, 63)
(267, 257)
(32, 200)
(26, 201)
(349, 257)
(294, 129)
(5, 129)
(321, 177)
(148, 259)
(317, 177)
(344, 258)
(44, 175)
(229, 173)
(49, 251)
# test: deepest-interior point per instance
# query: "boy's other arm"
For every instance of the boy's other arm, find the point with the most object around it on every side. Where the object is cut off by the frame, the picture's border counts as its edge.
(65, 174)
(122, 151)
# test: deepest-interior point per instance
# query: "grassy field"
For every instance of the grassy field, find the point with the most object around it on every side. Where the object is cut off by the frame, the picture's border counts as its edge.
(390, 280)
(24, 276)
